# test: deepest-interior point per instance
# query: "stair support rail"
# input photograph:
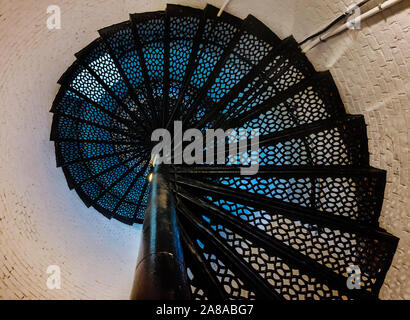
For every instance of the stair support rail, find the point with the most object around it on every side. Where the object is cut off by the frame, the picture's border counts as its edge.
(160, 273)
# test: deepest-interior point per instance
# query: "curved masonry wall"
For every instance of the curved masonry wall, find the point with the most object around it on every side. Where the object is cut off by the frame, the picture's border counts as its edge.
(42, 223)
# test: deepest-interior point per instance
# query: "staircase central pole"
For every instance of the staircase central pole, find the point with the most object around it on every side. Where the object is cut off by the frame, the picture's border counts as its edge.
(160, 273)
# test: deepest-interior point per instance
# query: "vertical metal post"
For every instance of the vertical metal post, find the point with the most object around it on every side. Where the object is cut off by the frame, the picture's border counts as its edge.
(160, 273)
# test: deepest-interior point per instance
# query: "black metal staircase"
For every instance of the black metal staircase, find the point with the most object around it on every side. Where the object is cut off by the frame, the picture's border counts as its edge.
(290, 231)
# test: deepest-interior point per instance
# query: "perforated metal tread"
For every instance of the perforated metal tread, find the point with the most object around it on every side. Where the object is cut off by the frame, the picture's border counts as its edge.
(289, 232)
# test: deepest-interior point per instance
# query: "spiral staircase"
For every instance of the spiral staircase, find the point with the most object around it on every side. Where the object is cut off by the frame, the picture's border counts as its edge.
(291, 231)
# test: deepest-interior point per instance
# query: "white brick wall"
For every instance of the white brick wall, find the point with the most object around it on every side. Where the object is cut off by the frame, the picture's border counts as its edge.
(42, 223)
